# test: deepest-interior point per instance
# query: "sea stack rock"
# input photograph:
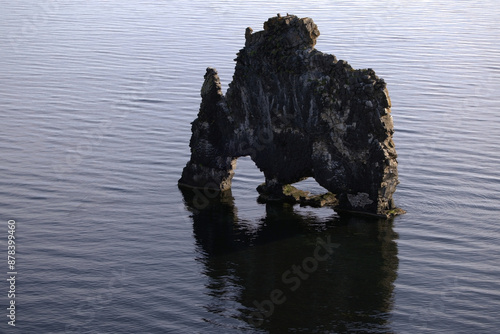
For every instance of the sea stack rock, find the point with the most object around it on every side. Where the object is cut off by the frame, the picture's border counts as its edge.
(298, 113)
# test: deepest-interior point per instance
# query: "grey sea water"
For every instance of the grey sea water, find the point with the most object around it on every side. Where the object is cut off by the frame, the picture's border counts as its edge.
(96, 100)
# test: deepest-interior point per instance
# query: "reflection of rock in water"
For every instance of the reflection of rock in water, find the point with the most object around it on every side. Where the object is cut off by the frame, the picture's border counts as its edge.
(351, 289)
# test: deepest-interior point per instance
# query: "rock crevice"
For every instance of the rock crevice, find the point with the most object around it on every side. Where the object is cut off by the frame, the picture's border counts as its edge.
(298, 113)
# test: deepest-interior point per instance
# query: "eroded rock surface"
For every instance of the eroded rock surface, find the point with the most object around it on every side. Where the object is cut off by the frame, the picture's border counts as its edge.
(298, 113)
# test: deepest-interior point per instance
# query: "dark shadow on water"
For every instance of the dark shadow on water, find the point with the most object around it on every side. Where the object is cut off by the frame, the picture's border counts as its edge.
(254, 282)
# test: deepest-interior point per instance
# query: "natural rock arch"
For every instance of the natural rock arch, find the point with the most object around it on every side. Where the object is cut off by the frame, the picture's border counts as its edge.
(298, 113)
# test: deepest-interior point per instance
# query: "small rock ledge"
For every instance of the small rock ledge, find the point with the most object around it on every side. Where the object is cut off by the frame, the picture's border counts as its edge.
(290, 194)
(298, 113)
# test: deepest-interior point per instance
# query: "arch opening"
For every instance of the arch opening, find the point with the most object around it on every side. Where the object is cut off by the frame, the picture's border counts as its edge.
(247, 177)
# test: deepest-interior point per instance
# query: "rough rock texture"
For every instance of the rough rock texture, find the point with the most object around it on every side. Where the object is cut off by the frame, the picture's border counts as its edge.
(298, 113)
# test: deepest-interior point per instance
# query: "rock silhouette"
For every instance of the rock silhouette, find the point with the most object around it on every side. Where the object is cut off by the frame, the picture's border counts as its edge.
(298, 113)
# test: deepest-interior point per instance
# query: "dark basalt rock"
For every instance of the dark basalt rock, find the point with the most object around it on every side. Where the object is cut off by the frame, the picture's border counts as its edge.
(298, 113)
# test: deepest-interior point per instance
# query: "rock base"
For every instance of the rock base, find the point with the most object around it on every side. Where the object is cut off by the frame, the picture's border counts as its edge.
(290, 194)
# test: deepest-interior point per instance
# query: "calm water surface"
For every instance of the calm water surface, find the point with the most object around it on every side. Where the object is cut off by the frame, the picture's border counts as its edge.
(96, 101)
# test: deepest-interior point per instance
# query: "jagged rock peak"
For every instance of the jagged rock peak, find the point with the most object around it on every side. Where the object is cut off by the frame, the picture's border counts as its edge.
(286, 32)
